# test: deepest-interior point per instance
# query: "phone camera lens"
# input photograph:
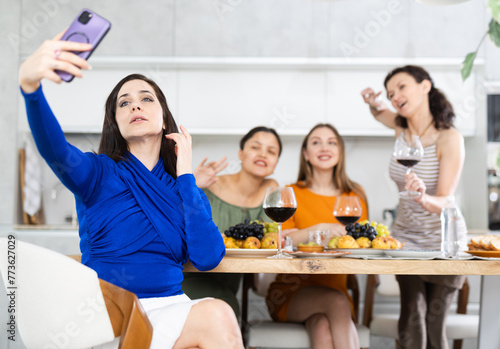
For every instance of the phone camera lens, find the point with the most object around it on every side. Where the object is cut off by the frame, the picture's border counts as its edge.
(85, 17)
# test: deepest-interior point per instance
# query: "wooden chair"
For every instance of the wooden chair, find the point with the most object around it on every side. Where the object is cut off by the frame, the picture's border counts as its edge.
(62, 303)
(271, 334)
(459, 326)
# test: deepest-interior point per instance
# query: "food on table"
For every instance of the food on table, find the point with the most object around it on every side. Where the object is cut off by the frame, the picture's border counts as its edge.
(270, 240)
(484, 243)
(332, 243)
(252, 235)
(361, 236)
(365, 234)
(367, 229)
(251, 242)
(347, 241)
(364, 242)
(310, 243)
(243, 230)
(311, 246)
(270, 227)
(394, 243)
(381, 242)
(230, 242)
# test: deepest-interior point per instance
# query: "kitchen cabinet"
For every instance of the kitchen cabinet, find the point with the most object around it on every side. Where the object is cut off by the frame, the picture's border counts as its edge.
(239, 99)
(227, 96)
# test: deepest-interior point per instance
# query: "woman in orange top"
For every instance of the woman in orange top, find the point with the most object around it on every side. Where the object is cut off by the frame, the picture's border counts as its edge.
(320, 301)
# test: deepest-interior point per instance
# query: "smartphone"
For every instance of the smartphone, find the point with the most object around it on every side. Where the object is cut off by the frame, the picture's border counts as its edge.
(88, 27)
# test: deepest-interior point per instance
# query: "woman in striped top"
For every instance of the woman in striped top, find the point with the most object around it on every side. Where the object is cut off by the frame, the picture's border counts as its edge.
(423, 110)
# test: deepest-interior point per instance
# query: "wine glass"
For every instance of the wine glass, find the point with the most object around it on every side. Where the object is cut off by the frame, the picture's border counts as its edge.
(408, 155)
(347, 209)
(279, 205)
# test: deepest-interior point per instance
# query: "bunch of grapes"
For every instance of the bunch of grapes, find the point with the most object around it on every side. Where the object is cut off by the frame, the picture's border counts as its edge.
(366, 228)
(270, 227)
(357, 230)
(381, 229)
(243, 230)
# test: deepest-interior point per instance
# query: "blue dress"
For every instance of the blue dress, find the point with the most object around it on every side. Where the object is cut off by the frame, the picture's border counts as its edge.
(137, 227)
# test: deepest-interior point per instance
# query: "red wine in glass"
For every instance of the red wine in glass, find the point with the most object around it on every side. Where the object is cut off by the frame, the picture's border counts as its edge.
(279, 205)
(408, 162)
(347, 219)
(408, 154)
(280, 214)
(347, 209)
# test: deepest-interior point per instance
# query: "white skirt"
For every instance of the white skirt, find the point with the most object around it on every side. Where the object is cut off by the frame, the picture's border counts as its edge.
(167, 315)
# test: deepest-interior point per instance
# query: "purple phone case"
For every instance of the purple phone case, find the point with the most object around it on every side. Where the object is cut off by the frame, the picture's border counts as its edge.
(92, 32)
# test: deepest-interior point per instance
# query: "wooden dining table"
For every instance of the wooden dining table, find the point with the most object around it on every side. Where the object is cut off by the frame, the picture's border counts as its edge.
(489, 313)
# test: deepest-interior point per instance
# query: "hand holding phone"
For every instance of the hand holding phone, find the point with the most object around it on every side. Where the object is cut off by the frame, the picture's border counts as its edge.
(88, 27)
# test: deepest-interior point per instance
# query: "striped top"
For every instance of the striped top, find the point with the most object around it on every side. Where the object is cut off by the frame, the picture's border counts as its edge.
(415, 226)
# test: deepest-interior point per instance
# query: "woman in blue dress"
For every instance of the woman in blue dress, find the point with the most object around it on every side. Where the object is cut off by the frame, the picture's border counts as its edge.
(141, 214)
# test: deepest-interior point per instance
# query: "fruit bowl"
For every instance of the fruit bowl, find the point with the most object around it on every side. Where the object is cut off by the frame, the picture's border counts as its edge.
(310, 248)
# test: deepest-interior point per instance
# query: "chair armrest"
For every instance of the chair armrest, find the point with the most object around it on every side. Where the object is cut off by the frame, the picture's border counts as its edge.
(128, 318)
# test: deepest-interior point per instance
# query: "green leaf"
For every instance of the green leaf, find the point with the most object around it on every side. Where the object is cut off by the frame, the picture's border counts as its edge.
(494, 6)
(467, 65)
(494, 32)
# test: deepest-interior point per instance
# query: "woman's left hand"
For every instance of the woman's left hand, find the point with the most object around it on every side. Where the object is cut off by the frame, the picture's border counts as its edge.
(415, 183)
(183, 150)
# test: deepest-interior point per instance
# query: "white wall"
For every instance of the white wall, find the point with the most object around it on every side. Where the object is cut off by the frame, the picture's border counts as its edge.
(403, 30)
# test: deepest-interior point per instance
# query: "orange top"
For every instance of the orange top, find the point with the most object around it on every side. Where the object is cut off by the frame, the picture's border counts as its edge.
(311, 209)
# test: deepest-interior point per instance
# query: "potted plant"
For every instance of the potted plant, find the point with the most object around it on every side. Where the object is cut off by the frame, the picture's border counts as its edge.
(493, 32)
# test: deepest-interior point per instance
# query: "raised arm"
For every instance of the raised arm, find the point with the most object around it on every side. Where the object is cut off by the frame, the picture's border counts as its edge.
(203, 239)
(71, 166)
(378, 109)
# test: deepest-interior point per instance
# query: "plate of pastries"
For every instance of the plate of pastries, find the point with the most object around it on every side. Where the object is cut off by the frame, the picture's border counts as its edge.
(365, 238)
(485, 246)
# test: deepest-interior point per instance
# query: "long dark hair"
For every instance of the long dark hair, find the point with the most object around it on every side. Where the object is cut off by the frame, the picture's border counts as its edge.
(441, 109)
(112, 142)
(257, 129)
(339, 173)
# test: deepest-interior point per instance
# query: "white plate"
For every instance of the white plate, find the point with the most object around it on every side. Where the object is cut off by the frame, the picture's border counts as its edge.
(249, 252)
(326, 254)
(361, 251)
(413, 253)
